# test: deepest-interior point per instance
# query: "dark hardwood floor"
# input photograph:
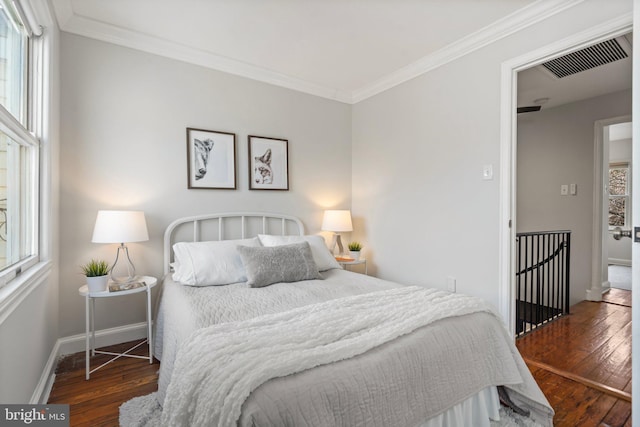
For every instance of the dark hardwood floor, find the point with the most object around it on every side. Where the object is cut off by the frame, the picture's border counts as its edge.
(582, 363)
(96, 402)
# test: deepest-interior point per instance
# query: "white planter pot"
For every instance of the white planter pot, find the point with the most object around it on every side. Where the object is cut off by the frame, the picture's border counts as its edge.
(355, 255)
(98, 284)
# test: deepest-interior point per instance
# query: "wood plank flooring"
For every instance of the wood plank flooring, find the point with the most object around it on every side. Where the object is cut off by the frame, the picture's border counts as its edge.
(593, 343)
(582, 362)
(95, 402)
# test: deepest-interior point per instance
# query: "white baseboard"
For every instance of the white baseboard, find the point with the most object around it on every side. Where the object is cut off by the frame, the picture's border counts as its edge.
(41, 393)
(75, 344)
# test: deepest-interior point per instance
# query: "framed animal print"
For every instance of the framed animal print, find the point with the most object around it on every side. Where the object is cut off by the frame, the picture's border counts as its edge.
(211, 159)
(268, 163)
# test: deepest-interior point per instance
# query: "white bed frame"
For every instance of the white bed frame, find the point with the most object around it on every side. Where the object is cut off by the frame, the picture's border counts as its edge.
(264, 223)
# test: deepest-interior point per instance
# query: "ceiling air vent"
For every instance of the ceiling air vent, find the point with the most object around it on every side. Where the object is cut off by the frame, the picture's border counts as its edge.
(587, 58)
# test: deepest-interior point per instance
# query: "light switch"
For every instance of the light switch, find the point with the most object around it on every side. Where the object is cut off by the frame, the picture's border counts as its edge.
(573, 189)
(564, 190)
(487, 172)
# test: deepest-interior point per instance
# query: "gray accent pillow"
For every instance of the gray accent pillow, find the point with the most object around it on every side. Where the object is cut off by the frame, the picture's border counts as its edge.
(286, 263)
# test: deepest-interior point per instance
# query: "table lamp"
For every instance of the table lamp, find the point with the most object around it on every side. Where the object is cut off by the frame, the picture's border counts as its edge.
(121, 227)
(337, 221)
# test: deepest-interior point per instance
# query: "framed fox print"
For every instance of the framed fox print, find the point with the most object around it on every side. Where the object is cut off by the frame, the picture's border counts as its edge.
(268, 163)
(211, 159)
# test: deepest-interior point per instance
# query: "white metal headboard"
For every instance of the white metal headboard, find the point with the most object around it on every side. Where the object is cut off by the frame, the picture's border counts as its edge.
(265, 225)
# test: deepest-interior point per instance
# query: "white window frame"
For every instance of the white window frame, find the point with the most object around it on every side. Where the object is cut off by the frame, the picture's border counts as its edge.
(32, 113)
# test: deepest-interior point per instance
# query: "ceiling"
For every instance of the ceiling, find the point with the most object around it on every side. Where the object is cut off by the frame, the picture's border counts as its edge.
(347, 50)
(537, 86)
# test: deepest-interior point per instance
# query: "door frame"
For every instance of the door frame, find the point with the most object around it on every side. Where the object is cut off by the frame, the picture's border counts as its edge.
(600, 232)
(508, 145)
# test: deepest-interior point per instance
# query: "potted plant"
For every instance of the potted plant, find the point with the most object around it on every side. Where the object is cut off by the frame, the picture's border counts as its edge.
(97, 272)
(354, 250)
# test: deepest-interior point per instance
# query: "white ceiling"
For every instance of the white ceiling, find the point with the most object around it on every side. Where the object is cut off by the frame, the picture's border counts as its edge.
(346, 50)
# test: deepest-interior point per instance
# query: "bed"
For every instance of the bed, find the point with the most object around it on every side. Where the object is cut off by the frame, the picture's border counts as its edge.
(242, 341)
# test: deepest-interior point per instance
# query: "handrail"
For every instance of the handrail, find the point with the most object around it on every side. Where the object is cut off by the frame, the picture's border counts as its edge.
(544, 261)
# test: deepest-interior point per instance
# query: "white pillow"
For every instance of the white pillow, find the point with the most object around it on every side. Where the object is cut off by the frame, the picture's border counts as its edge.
(210, 263)
(321, 255)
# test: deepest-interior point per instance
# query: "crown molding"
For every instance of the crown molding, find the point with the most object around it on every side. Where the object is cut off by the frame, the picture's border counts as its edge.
(82, 26)
(522, 18)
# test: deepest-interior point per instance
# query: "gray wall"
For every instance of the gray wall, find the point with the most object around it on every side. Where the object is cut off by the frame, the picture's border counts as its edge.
(555, 147)
(421, 206)
(124, 115)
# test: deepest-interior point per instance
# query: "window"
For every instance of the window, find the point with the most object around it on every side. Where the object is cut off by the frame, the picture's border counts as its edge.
(619, 194)
(19, 147)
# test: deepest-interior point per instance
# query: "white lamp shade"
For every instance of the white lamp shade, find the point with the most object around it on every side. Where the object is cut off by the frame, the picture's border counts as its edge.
(337, 220)
(120, 227)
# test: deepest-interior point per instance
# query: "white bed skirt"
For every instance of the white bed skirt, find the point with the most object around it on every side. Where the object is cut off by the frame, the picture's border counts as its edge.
(477, 411)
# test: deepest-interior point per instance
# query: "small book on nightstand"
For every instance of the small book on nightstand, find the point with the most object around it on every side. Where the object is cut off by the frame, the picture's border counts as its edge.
(117, 287)
(344, 259)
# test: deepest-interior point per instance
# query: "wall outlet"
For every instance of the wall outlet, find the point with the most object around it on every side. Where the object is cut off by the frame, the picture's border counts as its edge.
(451, 284)
(564, 190)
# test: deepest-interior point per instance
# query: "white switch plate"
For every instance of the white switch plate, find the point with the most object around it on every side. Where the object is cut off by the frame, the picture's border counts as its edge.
(487, 172)
(451, 284)
(573, 189)
(564, 189)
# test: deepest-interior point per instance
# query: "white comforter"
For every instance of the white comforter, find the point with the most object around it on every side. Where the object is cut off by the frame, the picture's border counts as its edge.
(221, 365)
(184, 309)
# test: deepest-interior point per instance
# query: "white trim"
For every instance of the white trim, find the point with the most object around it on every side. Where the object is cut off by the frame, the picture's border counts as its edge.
(157, 46)
(600, 233)
(618, 261)
(508, 140)
(14, 129)
(47, 378)
(514, 22)
(75, 344)
(104, 337)
(16, 291)
(519, 20)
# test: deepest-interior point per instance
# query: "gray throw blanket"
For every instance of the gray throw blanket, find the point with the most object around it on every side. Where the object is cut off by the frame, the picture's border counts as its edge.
(394, 357)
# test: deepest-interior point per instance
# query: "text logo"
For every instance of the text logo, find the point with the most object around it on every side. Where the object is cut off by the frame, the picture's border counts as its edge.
(34, 415)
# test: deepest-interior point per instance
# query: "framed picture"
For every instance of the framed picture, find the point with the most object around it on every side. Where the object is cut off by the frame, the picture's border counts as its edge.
(268, 163)
(211, 159)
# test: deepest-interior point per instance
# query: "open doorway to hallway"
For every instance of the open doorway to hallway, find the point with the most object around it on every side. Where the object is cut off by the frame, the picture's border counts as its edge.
(617, 250)
(581, 359)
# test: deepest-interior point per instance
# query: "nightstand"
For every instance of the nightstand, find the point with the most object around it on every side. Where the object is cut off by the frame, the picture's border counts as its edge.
(354, 262)
(90, 326)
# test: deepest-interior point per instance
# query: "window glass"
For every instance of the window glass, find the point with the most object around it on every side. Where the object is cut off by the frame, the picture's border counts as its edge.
(19, 148)
(13, 59)
(17, 204)
(618, 181)
(618, 195)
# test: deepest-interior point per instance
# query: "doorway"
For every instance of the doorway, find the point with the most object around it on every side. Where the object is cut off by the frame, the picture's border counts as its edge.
(617, 138)
(509, 159)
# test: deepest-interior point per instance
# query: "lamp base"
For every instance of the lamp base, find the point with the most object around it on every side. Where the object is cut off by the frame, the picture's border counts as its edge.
(336, 241)
(131, 269)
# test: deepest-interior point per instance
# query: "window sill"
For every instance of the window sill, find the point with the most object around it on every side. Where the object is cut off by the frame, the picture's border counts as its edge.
(14, 292)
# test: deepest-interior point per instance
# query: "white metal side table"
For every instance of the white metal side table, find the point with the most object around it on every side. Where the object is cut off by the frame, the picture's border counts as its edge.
(355, 262)
(90, 326)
